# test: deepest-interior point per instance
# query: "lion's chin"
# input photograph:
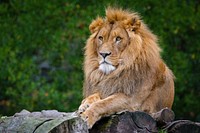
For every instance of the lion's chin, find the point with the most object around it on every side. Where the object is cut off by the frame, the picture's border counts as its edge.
(106, 68)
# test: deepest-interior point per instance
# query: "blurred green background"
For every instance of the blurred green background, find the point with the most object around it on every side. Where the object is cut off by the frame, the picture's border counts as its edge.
(41, 50)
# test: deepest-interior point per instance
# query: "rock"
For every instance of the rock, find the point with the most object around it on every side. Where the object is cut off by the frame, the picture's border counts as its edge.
(182, 126)
(41, 122)
(127, 122)
(53, 121)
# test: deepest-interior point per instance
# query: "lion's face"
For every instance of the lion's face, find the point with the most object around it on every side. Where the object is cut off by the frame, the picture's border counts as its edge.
(111, 41)
(117, 42)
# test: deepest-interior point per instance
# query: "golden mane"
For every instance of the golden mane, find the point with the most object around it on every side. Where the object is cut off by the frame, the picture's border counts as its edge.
(114, 14)
(142, 66)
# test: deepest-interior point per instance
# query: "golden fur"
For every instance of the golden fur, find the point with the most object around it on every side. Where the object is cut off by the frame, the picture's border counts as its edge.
(123, 68)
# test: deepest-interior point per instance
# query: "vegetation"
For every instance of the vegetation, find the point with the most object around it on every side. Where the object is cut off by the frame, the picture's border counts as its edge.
(41, 50)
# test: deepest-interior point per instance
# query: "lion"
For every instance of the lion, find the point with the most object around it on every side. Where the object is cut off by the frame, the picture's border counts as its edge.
(123, 69)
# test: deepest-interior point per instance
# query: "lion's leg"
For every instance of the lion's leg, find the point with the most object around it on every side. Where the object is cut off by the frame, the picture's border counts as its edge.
(88, 101)
(110, 105)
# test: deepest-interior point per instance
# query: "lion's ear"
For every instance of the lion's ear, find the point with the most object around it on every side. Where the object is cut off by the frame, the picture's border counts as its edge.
(96, 25)
(133, 24)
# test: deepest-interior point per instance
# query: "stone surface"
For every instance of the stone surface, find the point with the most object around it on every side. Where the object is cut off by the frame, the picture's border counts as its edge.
(41, 122)
(52, 121)
(127, 122)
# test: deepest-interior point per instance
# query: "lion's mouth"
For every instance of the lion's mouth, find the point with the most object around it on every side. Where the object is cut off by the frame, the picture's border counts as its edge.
(106, 67)
(105, 62)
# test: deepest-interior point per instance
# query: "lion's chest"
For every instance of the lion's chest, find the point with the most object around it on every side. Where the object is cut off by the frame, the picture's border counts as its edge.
(116, 84)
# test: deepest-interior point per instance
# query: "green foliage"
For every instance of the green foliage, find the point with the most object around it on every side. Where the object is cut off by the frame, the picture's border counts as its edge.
(41, 50)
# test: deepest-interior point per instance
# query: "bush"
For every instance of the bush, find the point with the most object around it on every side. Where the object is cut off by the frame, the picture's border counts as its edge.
(41, 51)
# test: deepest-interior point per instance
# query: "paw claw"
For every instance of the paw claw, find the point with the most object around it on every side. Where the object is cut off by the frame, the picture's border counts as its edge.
(80, 111)
(82, 108)
(84, 117)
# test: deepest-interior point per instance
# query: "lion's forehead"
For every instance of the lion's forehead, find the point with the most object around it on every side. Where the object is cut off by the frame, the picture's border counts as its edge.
(113, 30)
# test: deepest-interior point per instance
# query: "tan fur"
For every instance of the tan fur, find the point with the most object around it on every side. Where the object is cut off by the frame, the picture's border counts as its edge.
(139, 79)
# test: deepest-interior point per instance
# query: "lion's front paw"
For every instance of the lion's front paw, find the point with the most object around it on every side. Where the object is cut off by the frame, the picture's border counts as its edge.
(83, 107)
(90, 117)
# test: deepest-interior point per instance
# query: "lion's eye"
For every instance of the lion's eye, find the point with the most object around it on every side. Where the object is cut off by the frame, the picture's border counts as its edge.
(118, 39)
(100, 38)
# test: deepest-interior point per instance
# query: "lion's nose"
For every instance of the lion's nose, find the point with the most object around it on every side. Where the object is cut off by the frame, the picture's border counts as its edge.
(105, 54)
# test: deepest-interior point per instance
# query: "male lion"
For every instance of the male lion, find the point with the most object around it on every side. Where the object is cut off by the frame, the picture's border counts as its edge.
(123, 68)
